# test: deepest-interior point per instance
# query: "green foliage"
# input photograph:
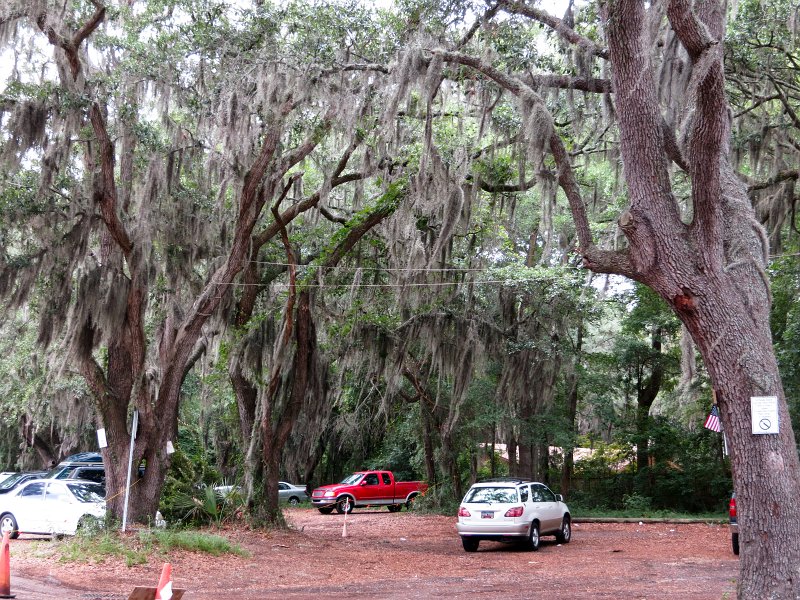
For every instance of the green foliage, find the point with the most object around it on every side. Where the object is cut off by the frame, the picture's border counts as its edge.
(636, 503)
(97, 547)
(401, 448)
(785, 321)
(192, 541)
(687, 474)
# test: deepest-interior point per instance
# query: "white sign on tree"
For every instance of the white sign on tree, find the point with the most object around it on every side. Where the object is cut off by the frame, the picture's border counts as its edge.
(764, 414)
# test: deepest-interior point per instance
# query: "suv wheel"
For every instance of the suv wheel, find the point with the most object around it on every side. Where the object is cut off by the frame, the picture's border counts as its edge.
(470, 543)
(565, 533)
(533, 537)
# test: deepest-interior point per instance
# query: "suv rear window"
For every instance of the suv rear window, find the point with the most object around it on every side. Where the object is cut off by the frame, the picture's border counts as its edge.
(491, 495)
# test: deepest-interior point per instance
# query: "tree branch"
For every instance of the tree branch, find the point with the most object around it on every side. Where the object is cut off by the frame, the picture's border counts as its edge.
(556, 24)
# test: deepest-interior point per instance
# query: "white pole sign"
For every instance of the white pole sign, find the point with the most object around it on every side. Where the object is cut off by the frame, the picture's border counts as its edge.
(764, 414)
(101, 438)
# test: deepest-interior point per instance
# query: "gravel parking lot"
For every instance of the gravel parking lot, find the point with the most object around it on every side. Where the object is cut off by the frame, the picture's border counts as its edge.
(409, 555)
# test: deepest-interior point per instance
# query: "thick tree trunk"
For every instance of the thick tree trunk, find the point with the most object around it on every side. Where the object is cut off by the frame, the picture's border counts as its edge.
(246, 399)
(450, 466)
(645, 396)
(736, 346)
(428, 429)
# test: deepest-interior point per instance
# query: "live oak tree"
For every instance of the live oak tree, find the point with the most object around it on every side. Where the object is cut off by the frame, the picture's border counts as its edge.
(706, 261)
(155, 142)
(706, 255)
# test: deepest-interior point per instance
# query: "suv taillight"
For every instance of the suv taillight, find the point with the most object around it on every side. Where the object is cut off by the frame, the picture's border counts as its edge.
(732, 508)
(514, 512)
(463, 512)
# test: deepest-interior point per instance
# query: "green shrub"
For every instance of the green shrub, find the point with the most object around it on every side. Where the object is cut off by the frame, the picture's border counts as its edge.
(635, 502)
(193, 541)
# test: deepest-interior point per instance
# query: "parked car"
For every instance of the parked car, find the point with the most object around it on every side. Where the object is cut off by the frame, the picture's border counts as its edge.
(509, 510)
(18, 479)
(5, 475)
(51, 506)
(85, 465)
(734, 524)
(293, 494)
(287, 492)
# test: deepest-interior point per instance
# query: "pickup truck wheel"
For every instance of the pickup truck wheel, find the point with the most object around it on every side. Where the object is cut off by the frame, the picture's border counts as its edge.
(470, 543)
(395, 507)
(326, 510)
(410, 502)
(345, 505)
(735, 543)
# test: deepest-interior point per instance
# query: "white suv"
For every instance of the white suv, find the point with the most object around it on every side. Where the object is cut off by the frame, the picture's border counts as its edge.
(512, 510)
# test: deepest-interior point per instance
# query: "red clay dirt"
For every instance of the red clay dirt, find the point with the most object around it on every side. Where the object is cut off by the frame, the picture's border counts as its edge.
(407, 555)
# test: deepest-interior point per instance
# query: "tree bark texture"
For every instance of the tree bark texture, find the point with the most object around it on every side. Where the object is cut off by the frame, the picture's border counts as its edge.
(711, 272)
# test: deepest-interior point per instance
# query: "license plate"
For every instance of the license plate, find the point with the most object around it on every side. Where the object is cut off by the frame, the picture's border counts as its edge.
(487, 515)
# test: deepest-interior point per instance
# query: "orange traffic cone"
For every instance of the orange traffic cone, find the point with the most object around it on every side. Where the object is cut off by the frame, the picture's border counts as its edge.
(5, 569)
(164, 589)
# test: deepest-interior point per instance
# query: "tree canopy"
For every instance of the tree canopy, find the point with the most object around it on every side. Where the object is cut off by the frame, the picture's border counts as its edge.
(339, 234)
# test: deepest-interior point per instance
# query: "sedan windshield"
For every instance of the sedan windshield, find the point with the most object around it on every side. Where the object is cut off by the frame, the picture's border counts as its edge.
(88, 492)
(491, 495)
(352, 479)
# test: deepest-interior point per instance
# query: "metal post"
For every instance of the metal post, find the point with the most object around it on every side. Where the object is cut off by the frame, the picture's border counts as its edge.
(134, 427)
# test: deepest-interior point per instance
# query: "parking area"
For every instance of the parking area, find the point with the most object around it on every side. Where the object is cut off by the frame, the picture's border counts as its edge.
(375, 554)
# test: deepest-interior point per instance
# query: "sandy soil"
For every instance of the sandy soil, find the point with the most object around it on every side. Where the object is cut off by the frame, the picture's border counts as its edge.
(408, 555)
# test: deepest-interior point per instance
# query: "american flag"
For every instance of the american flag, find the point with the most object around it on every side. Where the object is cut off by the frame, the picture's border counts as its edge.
(712, 422)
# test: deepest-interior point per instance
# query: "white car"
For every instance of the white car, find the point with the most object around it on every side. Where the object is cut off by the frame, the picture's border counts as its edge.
(512, 510)
(51, 507)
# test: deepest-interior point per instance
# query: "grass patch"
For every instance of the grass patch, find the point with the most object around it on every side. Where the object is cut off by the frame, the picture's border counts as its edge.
(193, 541)
(98, 546)
(580, 511)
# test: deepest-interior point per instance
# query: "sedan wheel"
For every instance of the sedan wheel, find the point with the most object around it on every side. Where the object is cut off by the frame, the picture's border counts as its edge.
(9, 524)
(565, 533)
(294, 500)
(533, 537)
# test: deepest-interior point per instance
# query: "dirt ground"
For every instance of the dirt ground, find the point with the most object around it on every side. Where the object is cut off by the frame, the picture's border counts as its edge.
(407, 555)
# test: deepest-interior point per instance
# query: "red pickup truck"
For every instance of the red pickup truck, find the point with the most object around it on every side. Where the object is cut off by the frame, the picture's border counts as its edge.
(367, 488)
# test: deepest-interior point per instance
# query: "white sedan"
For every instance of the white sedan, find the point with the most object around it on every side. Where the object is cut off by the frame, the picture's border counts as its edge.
(51, 507)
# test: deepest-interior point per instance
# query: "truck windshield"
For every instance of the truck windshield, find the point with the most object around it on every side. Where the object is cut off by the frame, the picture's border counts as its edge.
(352, 479)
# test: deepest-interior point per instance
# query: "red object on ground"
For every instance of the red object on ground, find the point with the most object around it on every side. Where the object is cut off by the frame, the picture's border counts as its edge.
(164, 589)
(5, 568)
